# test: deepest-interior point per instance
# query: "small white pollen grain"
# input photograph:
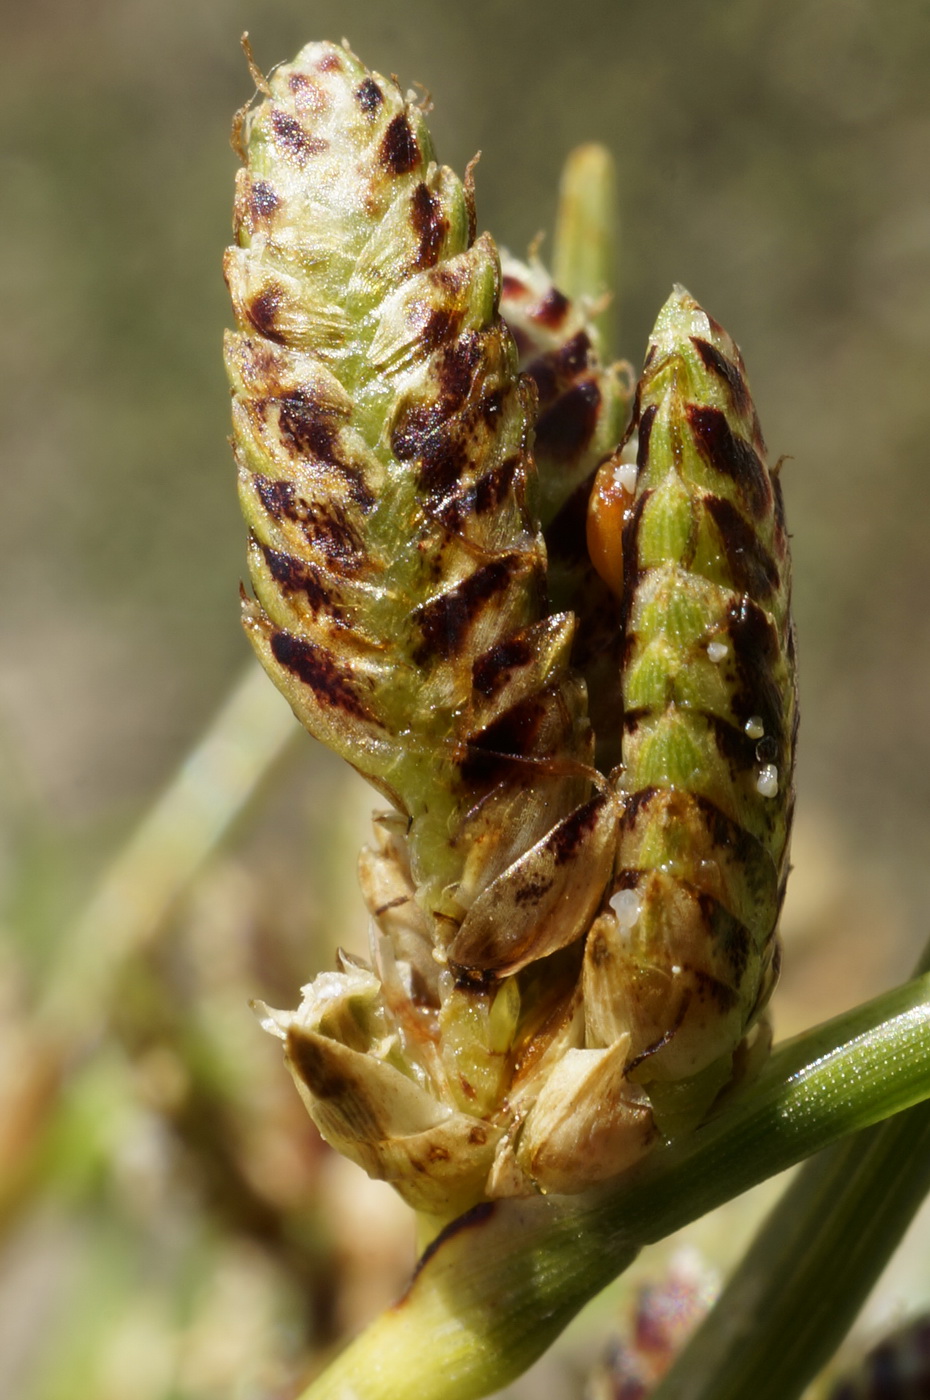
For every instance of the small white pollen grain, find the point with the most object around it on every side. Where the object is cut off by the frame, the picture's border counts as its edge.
(767, 780)
(627, 906)
(754, 727)
(716, 651)
(624, 474)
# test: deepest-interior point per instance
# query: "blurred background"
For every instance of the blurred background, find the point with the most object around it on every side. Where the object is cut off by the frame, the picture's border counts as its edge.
(170, 1226)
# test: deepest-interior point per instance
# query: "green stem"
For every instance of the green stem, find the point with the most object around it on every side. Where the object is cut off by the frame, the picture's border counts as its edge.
(500, 1284)
(809, 1270)
(584, 250)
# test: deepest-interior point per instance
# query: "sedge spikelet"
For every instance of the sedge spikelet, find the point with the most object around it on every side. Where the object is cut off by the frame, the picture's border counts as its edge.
(687, 959)
(382, 435)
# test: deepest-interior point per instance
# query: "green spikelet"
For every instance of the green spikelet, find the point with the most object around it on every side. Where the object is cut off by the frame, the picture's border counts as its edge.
(709, 715)
(382, 436)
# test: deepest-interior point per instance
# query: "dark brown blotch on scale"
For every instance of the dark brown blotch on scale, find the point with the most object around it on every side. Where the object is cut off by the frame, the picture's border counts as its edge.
(551, 311)
(726, 370)
(325, 525)
(458, 367)
(633, 718)
(491, 406)
(309, 96)
(477, 980)
(442, 466)
(630, 546)
(755, 649)
(512, 287)
(598, 950)
(263, 310)
(566, 428)
(315, 1068)
(493, 488)
(730, 455)
(329, 63)
(451, 507)
(262, 200)
(295, 576)
(291, 137)
(399, 150)
(429, 224)
(733, 745)
(369, 96)
(711, 989)
(318, 669)
(752, 569)
(741, 846)
(634, 803)
(557, 369)
(574, 356)
(645, 433)
(261, 364)
(444, 622)
(569, 836)
(442, 325)
(494, 753)
(542, 372)
(530, 891)
(730, 935)
(312, 430)
(307, 426)
(423, 431)
(418, 425)
(492, 670)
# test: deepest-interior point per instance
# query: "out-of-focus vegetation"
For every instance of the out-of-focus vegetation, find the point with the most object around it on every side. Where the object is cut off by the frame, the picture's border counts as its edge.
(172, 1228)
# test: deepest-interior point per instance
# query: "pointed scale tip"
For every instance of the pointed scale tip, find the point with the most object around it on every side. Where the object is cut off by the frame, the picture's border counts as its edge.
(680, 317)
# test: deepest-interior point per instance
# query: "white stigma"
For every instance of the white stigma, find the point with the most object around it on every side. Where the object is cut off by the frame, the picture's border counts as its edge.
(754, 727)
(627, 906)
(716, 651)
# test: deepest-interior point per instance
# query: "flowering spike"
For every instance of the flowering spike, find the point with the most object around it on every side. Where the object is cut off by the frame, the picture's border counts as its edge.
(709, 713)
(561, 953)
(382, 436)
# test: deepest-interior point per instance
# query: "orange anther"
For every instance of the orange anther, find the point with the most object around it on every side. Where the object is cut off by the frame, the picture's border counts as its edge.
(609, 502)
